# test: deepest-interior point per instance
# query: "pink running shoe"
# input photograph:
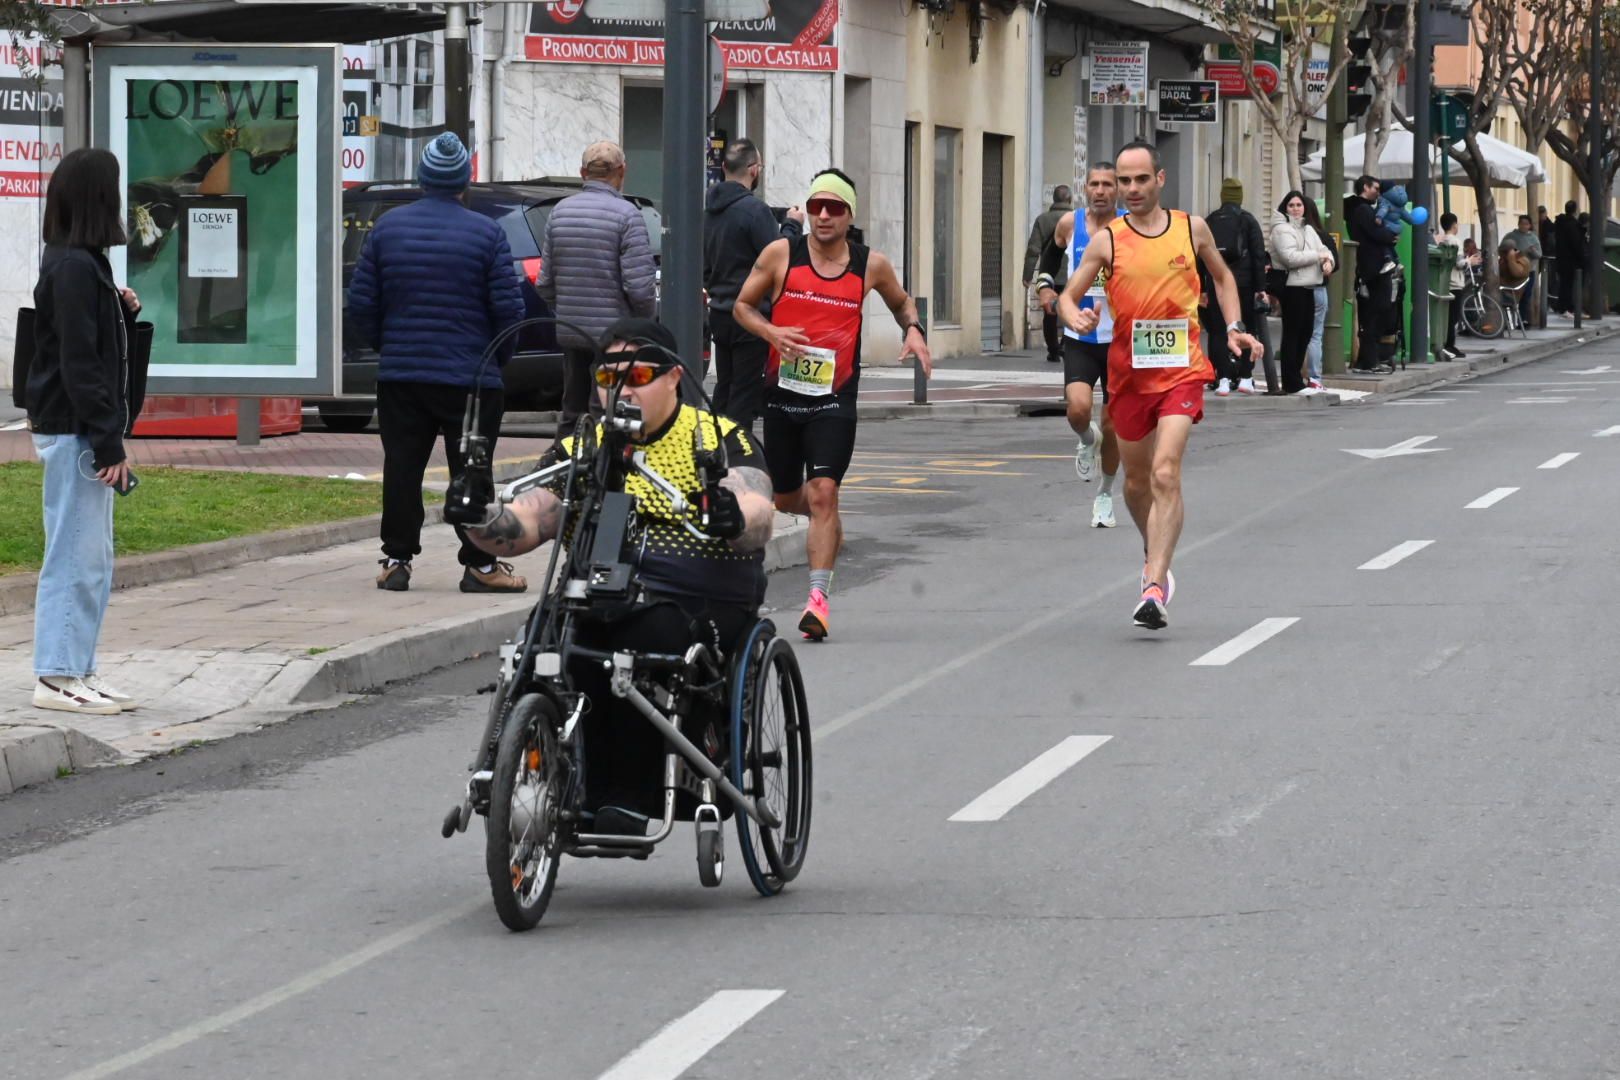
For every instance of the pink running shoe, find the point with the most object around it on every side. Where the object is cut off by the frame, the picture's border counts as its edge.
(816, 622)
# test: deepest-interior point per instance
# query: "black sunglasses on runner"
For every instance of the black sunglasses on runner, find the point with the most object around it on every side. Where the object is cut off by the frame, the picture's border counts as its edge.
(637, 375)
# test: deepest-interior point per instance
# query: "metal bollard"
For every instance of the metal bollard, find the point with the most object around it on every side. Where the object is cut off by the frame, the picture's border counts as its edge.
(1579, 299)
(919, 379)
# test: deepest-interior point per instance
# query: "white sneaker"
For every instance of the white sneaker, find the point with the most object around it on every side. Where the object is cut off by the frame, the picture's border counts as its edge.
(1102, 511)
(1316, 384)
(1245, 386)
(111, 693)
(70, 694)
(1085, 457)
(1223, 388)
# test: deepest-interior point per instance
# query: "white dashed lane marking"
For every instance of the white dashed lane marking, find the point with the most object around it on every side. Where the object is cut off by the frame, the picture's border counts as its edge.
(684, 1042)
(1490, 498)
(1256, 635)
(1558, 462)
(1395, 554)
(994, 804)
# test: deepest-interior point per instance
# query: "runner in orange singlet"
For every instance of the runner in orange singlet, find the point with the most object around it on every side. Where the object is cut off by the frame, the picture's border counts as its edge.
(814, 289)
(1156, 367)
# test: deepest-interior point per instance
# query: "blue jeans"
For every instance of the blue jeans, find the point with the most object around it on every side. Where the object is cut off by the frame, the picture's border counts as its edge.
(1313, 352)
(76, 577)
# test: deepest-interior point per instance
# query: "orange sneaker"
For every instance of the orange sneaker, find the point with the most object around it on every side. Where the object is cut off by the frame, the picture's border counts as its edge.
(816, 622)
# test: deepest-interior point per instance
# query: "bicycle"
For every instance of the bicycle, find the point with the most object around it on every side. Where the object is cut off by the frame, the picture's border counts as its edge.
(528, 771)
(1482, 315)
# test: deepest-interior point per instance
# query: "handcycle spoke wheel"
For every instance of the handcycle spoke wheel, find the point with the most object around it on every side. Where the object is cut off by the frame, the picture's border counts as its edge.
(522, 840)
(770, 758)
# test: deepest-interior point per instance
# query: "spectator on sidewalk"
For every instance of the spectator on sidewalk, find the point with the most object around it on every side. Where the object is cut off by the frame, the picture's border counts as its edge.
(1571, 255)
(1459, 280)
(596, 267)
(1040, 238)
(736, 228)
(79, 411)
(1525, 248)
(433, 287)
(1299, 249)
(1376, 283)
(1242, 244)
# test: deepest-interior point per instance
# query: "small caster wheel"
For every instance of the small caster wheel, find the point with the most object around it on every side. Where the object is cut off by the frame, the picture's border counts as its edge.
(711, 858)
(452, 822)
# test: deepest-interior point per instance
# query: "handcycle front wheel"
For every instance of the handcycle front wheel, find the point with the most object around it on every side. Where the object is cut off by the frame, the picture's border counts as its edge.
(522, 841)
(770, 758)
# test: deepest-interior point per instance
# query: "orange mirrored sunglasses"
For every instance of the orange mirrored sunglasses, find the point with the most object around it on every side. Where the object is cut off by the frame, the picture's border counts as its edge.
(637, 375)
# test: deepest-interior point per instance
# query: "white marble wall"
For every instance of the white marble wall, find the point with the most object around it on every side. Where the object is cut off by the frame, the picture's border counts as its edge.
(19, 267)
(798, 132)
(553, 112)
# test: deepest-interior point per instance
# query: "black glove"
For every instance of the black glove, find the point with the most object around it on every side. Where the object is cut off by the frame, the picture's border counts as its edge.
(467, 500)
(726, 519)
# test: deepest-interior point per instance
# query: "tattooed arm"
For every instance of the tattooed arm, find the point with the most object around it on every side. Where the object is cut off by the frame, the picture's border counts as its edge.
(754, 497)
(530, 520)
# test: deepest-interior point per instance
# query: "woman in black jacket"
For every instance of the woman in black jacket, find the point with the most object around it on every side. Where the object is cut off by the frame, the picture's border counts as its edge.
(79, 411)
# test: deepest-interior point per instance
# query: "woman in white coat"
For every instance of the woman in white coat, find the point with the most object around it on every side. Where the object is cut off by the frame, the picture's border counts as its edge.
(1298, 247)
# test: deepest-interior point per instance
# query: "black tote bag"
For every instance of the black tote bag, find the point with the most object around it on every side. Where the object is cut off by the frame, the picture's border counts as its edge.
(22, 357)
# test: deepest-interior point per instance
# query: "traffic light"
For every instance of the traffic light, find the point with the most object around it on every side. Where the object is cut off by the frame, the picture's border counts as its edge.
(1358, 76)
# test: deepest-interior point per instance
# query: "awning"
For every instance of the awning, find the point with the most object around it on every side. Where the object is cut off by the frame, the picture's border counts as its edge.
(1182, 21)
(245, 22)
(1507, 165)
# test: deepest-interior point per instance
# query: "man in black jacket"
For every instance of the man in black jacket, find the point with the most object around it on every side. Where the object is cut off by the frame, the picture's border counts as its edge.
(1571, 254)
(736, 228)
(1242, 244)
(1040, 238)
(1376, 285)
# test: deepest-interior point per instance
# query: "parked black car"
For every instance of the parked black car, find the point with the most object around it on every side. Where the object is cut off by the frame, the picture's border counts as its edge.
(533, 377)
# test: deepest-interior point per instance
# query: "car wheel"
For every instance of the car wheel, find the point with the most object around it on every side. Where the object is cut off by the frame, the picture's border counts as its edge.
(343, 419)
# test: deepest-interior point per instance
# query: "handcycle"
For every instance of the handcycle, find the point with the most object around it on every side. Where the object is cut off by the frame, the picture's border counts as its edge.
(528, 772)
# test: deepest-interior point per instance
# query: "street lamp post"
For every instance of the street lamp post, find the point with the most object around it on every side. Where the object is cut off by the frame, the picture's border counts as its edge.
(1595, 194)
(1422, 184)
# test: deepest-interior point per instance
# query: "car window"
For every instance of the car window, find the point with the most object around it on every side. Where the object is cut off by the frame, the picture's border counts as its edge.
(540, 213)
(518, 235)
(358, 218)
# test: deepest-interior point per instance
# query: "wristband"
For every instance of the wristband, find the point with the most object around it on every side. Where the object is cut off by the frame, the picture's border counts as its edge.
(917, 326)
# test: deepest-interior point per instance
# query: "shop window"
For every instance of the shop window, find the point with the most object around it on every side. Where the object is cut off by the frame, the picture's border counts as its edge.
(947, 237)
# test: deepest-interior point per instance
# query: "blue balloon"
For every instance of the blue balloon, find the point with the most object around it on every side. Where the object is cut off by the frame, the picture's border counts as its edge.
(1420, 215)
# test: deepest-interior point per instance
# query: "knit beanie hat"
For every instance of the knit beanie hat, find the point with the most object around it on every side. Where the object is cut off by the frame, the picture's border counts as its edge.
(445, 166)
(1231, 191)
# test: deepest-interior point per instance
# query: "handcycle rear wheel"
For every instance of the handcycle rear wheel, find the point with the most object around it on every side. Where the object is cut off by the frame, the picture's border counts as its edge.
(770, 758)
(522, 841)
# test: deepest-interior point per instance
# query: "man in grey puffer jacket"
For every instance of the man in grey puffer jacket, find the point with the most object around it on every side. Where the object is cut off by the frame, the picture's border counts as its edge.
(596, 268)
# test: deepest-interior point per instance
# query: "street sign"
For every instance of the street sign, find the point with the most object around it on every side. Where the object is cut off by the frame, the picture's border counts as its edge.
(717, 74)
(653, 10)
(1229, 75)
(1271, 54)
(1188, 101)
(1448, 115)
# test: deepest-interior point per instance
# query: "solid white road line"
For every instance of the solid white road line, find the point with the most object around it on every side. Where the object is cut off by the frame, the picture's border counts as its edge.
(994, 804)
(1539, 401)
(1395, 555)
(314, 979)
(1558, 462)
(1606, 432)
(1421, 401)
(683, 1042)
(1258, 634)
(1448, 390)
(1490, 498)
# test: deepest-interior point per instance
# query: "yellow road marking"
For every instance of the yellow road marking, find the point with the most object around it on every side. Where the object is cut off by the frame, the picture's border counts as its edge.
(443, 471)
(896, 490)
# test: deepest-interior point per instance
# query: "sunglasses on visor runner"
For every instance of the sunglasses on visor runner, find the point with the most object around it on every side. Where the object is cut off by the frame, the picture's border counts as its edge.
(831, 207)
(636, 375)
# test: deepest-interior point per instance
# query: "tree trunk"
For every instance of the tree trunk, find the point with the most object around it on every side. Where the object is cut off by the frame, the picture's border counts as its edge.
(1485, 198)
(1296, 181)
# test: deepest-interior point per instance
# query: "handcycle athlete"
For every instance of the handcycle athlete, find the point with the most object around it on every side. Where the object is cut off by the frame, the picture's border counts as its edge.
(644, 682)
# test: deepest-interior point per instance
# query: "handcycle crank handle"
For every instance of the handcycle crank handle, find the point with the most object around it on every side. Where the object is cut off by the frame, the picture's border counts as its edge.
(533, 480)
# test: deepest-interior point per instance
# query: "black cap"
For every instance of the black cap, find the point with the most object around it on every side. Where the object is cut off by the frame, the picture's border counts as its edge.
(643, 333)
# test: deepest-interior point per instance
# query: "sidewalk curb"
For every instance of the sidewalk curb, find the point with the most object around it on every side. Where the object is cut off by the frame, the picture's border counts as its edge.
(1426, 376)
(941, 410)
(134, 571)
(31, 754)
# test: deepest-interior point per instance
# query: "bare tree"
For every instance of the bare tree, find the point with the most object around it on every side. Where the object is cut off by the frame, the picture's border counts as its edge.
(1570, 143)
(1391, 51)
(1307, 30)
(1496, 33)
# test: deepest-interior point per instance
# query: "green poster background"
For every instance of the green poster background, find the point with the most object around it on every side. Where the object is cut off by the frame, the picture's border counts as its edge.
(171, 156)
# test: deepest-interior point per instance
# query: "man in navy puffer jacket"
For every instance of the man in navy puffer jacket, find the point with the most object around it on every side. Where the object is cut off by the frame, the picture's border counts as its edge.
(433, 286)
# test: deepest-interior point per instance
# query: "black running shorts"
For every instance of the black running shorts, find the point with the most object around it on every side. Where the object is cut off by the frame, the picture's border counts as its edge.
(799, 449)
(1087, 362)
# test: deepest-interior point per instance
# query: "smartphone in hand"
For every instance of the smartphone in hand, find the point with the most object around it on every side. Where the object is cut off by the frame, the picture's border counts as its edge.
(129, 485)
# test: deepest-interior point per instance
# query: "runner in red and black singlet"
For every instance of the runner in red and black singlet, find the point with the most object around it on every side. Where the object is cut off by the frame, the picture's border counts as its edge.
(816, 286)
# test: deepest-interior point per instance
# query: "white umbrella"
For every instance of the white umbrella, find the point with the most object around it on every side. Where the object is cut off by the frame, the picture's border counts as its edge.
(1506, 164)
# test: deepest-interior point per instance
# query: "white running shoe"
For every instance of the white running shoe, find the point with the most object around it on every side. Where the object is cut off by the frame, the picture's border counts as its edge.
(1223, 388)
(1102, 511)
(111, 693)
(70, 694)
(1085, 457)
(1245, 386)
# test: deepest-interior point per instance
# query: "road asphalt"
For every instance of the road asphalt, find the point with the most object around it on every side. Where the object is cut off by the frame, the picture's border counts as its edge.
(1350, 815)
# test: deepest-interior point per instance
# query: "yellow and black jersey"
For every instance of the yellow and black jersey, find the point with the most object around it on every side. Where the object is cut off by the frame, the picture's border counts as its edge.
(672, 560)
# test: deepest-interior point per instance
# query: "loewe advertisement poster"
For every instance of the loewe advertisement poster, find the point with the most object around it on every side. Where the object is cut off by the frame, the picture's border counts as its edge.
(227, 201)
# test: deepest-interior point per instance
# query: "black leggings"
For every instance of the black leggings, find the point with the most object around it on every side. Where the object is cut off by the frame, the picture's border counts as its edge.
(1298, 319)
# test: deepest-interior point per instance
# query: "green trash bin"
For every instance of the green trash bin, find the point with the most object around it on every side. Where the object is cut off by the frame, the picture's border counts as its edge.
(1611, 273)
(1442, 257)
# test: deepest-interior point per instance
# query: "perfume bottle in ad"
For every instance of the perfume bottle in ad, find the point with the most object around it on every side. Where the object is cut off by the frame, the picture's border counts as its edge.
(213, 262)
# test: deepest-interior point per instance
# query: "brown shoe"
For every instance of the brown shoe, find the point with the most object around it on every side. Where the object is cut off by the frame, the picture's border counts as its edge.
(394, 576)
(498, 578)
